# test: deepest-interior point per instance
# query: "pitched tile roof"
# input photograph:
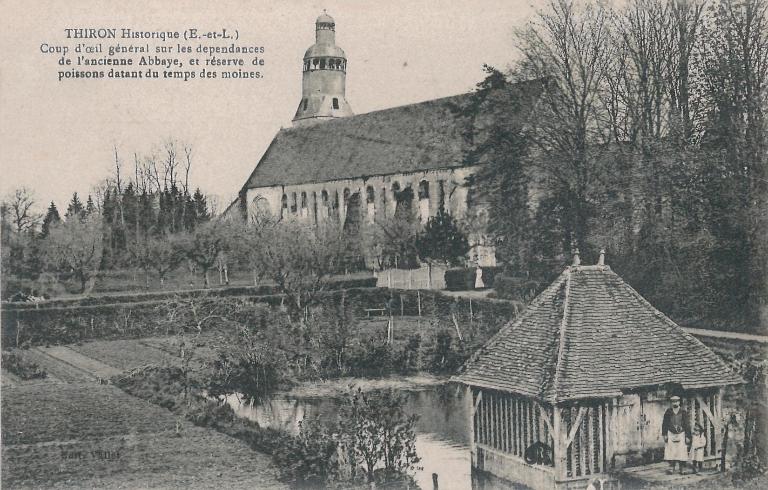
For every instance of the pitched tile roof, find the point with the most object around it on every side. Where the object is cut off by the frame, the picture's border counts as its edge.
(424, 136)
(590, 335)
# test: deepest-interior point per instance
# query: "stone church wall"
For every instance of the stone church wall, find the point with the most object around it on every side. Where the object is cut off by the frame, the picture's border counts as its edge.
(315, 202)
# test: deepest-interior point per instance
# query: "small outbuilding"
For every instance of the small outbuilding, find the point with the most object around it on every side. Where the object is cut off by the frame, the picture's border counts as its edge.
(575, 389)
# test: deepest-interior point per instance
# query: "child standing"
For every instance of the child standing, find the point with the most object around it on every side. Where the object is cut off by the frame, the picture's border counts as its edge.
(698, 443)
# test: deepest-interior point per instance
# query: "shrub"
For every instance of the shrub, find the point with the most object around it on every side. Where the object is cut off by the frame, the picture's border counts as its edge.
(463, 279)
(446, 356)
(515, 288)
(460, 279)
(15, 363)
(309, 459)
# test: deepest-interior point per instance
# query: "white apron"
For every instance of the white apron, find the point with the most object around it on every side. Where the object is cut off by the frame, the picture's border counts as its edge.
(479, 284)
(676, 449)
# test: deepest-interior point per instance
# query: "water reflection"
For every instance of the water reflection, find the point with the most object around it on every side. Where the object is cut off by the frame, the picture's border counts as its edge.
(441, 431)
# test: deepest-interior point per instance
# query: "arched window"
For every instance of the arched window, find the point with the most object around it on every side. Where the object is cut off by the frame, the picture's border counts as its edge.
(315, 63)
(303, 200)
(285, 201)
(335, 103)
(395, 186)
(322, 63)
(293, 202)
(324, 197)
(346, 195)
(423, 189)
(369, 195)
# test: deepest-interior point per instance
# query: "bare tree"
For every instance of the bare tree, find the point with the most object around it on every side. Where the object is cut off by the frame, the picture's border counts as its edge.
(76, 246)
(20, 211)
(567, 45)
(299, 259)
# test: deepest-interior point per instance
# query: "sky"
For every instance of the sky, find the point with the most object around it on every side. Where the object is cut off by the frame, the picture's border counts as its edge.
(59, 137)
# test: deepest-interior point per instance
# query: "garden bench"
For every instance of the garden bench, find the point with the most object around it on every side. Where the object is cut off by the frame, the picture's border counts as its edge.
(368, 311)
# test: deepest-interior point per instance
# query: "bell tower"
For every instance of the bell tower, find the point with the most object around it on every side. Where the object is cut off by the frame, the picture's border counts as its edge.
(323, 78)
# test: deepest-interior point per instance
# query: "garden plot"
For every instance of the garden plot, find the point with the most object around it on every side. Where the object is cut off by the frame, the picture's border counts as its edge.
(79, 361)
(96, 436)
(64, 412)
(57, 368)
(125, 354)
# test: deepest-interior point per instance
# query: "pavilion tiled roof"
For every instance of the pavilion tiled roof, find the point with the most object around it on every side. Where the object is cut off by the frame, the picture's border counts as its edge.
(591, 335)
(428, 135)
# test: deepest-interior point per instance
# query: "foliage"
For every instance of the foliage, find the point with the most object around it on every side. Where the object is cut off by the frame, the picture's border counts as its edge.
(76, 246)
(442, 240)
(309, 459)
(377, 431)
(299, 259)
(447, 356)
(205, 244)
(15, 363)
(647, 138)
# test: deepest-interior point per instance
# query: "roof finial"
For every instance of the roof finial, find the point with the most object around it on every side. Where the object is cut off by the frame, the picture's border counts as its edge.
(576, 259)
(601, 260)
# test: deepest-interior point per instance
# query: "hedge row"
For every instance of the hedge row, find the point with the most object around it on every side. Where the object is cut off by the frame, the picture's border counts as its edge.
(333, 283)
(463, 279)
(64, 325)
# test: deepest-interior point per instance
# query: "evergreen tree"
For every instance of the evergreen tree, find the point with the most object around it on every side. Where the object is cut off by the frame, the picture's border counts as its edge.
(442, 240)
(51, 218)
(200, 206)
(90, 207)
(75, 209)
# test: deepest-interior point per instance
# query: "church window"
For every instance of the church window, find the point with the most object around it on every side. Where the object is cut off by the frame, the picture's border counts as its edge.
(346, 195)
(322, 64)
(285, 201)
(395, 190)
(324, 197)
(315, 62)
(303, 200)
(423, 189)
(369, 197)
(441, 193)
(335, 103)
(306, 103)
(293, 202)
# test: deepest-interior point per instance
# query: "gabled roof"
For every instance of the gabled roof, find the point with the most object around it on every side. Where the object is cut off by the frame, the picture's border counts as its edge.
(425, 136)
(590, 335)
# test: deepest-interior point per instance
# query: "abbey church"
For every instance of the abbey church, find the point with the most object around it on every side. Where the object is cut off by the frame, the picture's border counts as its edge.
(333, 164)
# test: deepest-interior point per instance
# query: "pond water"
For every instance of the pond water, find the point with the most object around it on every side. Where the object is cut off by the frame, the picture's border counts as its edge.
(442, 438)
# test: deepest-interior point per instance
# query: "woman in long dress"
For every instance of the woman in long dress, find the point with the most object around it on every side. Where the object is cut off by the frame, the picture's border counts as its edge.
(676, 430)
(479, 284)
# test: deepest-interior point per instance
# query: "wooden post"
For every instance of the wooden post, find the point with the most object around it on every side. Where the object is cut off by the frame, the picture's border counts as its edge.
(410, 278)
(402, 308)
(720, 442)
(456, 324)
(492, 413)
(559, 440)
(469, 403)
(418, 303)
(591, 451)
(389, 278)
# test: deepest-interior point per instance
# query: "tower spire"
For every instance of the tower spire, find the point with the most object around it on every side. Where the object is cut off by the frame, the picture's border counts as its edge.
(324, 75)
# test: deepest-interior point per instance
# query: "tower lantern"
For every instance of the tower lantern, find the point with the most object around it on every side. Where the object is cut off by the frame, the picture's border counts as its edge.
(324, 74)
